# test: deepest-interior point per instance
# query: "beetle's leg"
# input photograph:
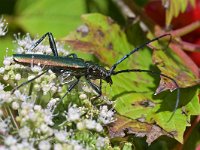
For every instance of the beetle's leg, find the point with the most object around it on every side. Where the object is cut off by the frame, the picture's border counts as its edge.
(71, 87)
(73, 55)
(95, 87)
(24, 83)
(51, 42)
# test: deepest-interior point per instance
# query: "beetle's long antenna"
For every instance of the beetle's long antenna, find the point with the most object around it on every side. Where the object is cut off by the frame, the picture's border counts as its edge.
(163, 75)
(136, 49)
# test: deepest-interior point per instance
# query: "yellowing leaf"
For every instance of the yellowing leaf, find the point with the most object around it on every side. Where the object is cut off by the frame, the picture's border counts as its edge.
(133, 93)
(175, 7)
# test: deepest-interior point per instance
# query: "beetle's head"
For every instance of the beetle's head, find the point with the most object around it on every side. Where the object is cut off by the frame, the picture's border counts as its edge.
(108, 79)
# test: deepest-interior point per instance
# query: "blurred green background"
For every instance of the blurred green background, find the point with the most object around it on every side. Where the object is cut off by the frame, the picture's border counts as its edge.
(59, 17)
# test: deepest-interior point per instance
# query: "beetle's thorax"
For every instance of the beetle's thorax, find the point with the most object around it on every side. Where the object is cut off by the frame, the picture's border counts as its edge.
(94, 71)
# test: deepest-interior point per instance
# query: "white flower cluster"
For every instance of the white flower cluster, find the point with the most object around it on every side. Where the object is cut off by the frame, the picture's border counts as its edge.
(3, 27)
(25, 46)
(90, 124)
(106, 116)
(27, 117)
(46, 83)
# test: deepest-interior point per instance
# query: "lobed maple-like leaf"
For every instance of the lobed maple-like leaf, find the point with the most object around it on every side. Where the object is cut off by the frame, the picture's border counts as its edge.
(133, 93)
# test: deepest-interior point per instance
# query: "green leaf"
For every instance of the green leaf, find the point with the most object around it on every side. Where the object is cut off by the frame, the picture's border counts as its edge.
(158, 110)
(172, 66)
(38, 17)
(133, 92)
(98, 37)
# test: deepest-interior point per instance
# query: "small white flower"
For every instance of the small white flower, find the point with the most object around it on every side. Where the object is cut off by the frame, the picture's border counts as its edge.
(87, 89)
(23, 112)
(7, 61)
(37, 87)
(46, 87)
(36, 68)
(24, 145)
(16, 66)
(19, 50)
(3, 27)
(61, 49)
(80, 126)
(106, 116)
(83, 96)
(2, 70)
(39, 80)
(50, 71)
(1, 87)
(99, 127)
(32, 116)
(52, 103)
(15, 105)
(73, 113)
(48, 117)
(20, 96)
(48, 50)
(10, 140)
(17, 93)
(59, 89)
(44, 145)
(27, 105)
(37, 107)
(78, 147)
(6, 77)
(44, 128)
(52, 74)
(101, 142)
(58, 146)
(90, 124)
(5, 96)
(17, 76)
(24, 43)
(31, 77)
(3, 126)
(24, 132)
(61, 135)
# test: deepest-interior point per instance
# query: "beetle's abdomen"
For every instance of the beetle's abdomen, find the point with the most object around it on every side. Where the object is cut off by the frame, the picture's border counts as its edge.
(50, 61)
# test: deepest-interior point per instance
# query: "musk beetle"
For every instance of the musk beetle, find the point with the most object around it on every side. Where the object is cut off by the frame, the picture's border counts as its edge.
(78, 67)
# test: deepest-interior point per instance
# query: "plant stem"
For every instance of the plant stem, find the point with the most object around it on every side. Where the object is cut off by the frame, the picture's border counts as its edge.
(188, 133)
(13, 118)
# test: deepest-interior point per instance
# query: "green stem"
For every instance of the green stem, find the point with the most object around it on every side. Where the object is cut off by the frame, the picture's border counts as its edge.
(13, 118)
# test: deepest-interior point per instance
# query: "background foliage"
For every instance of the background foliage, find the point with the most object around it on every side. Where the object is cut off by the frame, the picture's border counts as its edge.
(64, 17)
